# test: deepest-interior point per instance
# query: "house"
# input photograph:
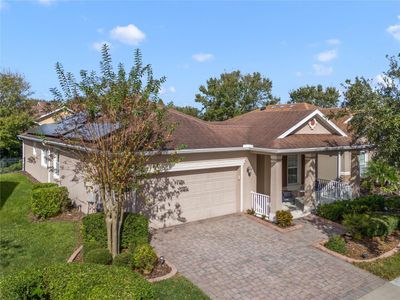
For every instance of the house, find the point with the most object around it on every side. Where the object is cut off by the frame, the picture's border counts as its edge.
(46, 113)
(251, 161)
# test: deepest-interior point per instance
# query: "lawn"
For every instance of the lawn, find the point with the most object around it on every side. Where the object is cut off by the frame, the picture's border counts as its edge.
(387, 268)
(24, 243)
(178, 288)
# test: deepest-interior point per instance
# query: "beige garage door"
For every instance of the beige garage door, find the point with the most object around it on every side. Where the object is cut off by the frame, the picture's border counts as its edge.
(208, 193)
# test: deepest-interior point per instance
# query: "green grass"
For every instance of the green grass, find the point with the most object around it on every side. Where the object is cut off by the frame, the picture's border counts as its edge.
(178, 288)
(24, 243)
(387, 268)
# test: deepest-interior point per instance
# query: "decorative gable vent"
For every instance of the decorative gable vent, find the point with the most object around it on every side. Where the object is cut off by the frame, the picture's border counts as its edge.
(312, 123)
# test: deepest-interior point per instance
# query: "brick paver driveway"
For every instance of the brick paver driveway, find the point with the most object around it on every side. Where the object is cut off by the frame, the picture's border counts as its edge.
(237, 258)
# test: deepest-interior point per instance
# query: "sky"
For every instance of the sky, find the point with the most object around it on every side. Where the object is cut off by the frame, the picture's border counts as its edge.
(293, 43)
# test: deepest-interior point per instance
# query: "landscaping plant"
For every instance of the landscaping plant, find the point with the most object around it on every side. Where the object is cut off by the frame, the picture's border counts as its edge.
(49, 201)
(337, 244)
(284, 218)
(144, 258)
(124, 259)
(99, 256)
(118, 123)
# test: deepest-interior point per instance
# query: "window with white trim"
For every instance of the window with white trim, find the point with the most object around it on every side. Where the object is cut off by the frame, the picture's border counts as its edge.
(292, 169)
(44, 157)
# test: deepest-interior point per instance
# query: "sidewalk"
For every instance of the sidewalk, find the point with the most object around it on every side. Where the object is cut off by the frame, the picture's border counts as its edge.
(388, 291)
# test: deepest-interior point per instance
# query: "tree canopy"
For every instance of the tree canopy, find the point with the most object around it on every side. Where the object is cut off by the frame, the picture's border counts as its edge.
(316, 95)
(375, 108)
(14, 111)
(188, 110)
(233, 94)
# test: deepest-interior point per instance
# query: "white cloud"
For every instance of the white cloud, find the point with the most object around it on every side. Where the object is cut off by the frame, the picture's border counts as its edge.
(322, 70)
(202, 57)
(46, 2)
(169, 90)
(382, 79)
(98, 45)
(129, 34)
(333, 42)
(327, 55)
(394, 30)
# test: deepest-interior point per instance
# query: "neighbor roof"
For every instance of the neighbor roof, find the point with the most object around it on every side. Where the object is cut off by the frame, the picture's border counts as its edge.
(261, 128)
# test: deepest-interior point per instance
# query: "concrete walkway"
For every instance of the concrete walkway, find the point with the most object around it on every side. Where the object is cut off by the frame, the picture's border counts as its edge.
(388, 291)
(237, 258)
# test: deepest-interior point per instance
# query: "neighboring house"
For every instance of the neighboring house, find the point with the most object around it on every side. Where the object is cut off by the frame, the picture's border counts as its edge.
(252, 160)
(54, 116)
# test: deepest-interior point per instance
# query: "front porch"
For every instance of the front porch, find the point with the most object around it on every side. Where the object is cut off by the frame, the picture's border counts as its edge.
(300, 182)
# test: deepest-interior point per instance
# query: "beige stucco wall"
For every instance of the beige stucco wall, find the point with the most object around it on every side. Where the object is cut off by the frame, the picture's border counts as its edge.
(32, 163)
(318, 129)
(327, 166)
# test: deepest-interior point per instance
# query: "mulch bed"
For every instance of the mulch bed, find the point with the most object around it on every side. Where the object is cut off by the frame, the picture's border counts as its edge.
(71, 215)
(159, 270)
(371, 247)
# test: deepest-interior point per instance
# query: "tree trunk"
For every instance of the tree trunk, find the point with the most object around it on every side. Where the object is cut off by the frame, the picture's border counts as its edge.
(109, 232)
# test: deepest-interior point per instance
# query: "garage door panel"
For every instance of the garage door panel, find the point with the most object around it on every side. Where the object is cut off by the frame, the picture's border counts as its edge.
(208, 193)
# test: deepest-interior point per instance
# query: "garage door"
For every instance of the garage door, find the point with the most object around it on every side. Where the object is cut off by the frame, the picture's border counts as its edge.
(208, 193)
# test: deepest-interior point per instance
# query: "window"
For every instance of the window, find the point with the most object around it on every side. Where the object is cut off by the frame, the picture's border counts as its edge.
(56, 165)
(43, 157)
(363, 159)
(292, 169)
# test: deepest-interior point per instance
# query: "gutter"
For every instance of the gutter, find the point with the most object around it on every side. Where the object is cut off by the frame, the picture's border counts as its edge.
(247, 147)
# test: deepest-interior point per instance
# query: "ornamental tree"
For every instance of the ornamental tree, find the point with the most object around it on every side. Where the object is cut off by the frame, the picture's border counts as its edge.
(117, 131)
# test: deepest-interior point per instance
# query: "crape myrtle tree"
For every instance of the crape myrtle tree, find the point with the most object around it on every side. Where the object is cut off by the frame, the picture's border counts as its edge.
(375, 108)
(118, 130)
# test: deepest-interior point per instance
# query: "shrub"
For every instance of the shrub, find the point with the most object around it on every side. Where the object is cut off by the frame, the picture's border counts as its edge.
(123, 259)
(43, 185)
(144, 258)
(284, 218)
(363, 225)
(89, 246)
(251, 212)
(337, 244)
(134, 229)
(392, 204)
(99, 256)
(76, 281)
(49, 202)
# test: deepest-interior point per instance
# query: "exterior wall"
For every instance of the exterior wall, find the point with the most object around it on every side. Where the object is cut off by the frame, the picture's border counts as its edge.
(327, 166)
(53, 118)
(318, 129)
(32, 163)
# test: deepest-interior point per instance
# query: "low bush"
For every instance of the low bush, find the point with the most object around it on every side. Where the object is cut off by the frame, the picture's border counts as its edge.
(134, 230)
(123, 259)
(89, 246)
(144, 258)
(337, 244)
(99, 256)
(284, 218)
(392, 204)
(49, 201)
(251, 212)
(369, 226)
(43, 185)
(76, 281)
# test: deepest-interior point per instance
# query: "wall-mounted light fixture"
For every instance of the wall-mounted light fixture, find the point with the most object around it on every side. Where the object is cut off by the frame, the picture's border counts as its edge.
(249, 171)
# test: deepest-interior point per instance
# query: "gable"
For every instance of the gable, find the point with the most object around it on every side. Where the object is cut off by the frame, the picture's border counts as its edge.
(318, 128)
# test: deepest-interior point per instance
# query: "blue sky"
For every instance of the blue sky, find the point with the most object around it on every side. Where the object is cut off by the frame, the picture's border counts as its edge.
(292, 43)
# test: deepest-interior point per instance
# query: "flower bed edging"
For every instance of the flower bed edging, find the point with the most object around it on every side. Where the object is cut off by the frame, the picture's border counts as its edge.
(320, 245)
(166, 276)
(75, 254)
(273, 226)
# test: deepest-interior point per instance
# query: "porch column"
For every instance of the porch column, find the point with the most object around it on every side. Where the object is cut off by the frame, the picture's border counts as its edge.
(276, 185)
(355, 173)
(310, 167)
(338, 165)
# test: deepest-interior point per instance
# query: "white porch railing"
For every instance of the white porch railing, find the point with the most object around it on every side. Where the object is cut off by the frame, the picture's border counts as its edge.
(261, 204)
(328, 191)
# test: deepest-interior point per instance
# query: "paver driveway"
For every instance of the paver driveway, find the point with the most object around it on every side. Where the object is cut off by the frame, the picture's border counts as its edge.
(237, 258)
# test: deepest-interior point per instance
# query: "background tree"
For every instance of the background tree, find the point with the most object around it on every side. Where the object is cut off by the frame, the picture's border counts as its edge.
(376, 112)
(14, 112)
(189, 110)
(316, 95)
(117, 126)
(233, 94)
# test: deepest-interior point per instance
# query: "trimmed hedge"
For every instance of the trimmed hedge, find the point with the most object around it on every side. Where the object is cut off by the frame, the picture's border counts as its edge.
(76, 281)
(49, 201)
(99, 256)
(144, 258)
(123, 259)
(43, 185)
(134, 231)
(337, 210)
(364, 225)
